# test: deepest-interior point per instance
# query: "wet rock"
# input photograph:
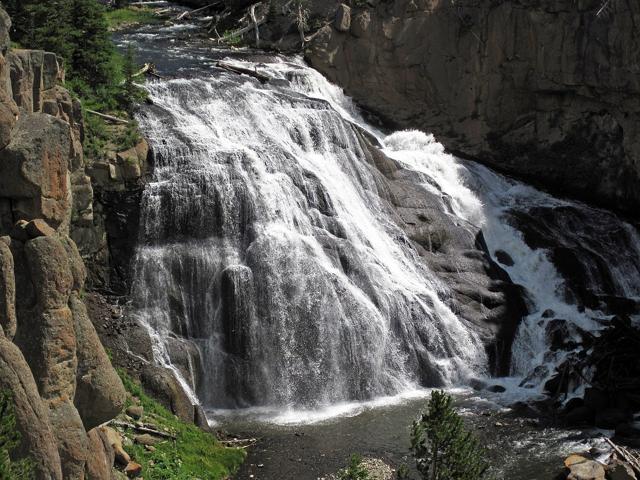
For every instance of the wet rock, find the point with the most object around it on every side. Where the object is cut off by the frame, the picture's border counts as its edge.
(627, 429)
(581, 468)
(496, 389)
(595, 399)
(610, 418)
(580, 416)
(504, 258)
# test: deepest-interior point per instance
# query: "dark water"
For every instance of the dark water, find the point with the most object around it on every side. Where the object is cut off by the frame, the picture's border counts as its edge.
(518, 448)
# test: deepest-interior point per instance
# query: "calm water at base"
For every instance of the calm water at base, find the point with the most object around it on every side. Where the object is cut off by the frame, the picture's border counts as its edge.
(518, 448)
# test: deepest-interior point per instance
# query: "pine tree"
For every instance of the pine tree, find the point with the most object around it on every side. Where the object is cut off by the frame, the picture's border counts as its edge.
(442, 447)
(92, 57)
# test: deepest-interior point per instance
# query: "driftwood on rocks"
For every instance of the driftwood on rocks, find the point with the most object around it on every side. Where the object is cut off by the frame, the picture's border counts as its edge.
(256, 27)
(110, 118)
(244, 71)
(144, 429)
(626, 456)
(190, 13)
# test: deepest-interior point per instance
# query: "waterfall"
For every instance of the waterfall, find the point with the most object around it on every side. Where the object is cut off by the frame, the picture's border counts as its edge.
(268, 243)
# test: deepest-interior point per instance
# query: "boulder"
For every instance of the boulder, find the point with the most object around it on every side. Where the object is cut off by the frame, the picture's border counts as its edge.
(100, 395)
(7, 292)
(164, 387)
(135, 411)
(19, 231)
(581, 468)
(37, 441)
(39, 228)
(133, 470)
(360, 24)
(73, 444)
(343, 18)
(50, 270)
(147, 439)
(100, 458)
(114, 440)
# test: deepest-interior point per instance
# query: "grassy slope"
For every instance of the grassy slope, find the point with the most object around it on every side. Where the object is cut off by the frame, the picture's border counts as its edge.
(194, 455)
(129, 16)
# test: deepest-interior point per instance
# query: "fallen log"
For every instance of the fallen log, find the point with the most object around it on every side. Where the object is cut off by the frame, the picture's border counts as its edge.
(188, 13)
(244, 71)
(109, 117)
(242, 31)
(252, 13)
(144, 429)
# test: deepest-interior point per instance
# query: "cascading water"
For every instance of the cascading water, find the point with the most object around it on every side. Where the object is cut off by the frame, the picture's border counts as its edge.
(266, 244)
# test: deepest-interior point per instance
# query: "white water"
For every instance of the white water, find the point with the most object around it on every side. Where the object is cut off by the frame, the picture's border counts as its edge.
(267, 245)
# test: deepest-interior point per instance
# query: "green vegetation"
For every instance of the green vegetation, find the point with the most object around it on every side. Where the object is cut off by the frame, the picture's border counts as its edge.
(355, 470)
(194, 453)
(128, 16)
(78, 32)
(9, 440)
(442, 447)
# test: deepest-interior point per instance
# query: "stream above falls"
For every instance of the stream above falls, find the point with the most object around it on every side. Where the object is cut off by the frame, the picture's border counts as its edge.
(228, 241)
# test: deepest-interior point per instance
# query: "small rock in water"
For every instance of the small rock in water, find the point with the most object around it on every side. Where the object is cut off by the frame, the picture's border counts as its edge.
(581, 468)
(504, 258)
(497, 389)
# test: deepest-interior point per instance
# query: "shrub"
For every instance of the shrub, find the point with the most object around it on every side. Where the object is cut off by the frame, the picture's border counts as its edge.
(442, 447)
(9, 440)
(355, 470)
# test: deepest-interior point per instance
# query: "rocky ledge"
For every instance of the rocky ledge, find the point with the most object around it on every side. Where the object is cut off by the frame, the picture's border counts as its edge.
(546, 90)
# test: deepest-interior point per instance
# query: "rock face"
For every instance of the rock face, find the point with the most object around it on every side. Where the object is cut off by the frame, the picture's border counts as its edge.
(546, 90)
(51, 359)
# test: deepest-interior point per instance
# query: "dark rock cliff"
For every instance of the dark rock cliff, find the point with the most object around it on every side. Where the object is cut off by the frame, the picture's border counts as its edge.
(546, 90)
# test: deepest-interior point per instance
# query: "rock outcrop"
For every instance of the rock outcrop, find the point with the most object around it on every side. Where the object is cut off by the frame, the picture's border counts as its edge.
(51, 359)
(546, 90)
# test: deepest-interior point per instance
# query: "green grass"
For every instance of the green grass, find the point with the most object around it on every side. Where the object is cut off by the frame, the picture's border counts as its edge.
(128, 16)
(194, 455)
